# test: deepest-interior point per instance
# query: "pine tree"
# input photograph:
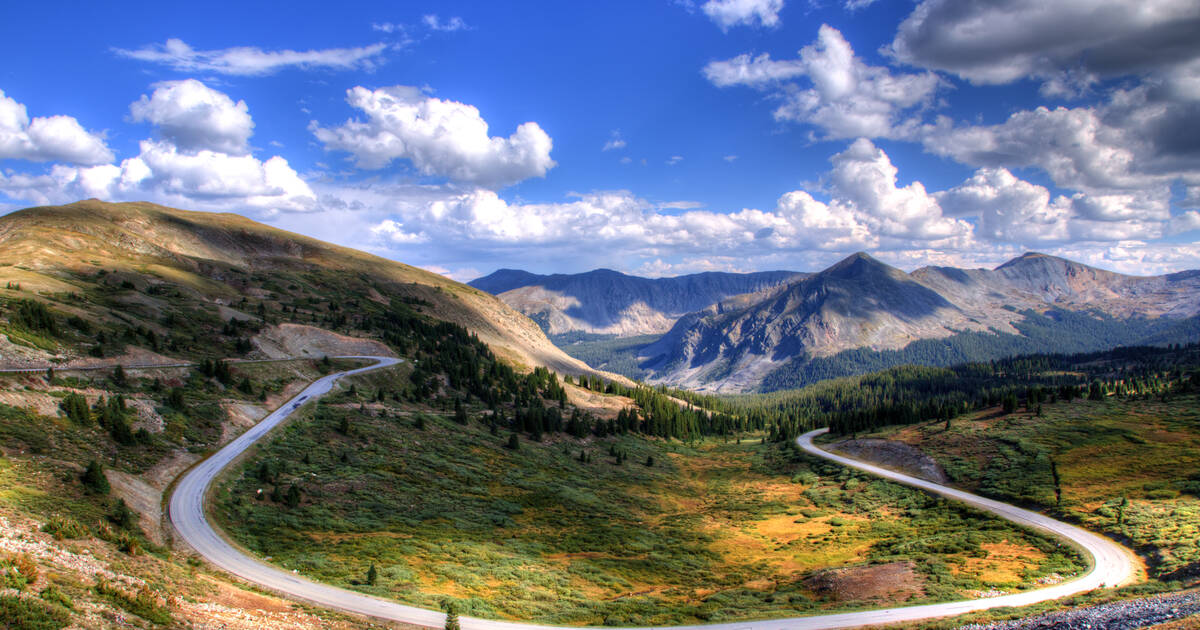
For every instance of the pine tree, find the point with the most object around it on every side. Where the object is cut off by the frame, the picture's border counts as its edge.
(649, 461)
(293, 501)
(372, 575)
(452, 618)
(514, 442)
(121, 515)
(94, 480)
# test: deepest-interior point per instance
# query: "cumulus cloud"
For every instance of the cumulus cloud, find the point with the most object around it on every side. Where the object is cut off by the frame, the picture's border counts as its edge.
(47, 139)
(1009, 208)
(865, 178)
(194, 116)
(847, 98)
(730, 13)
(439, 137)
(1068, 43)
(201, 161)
(868, 211)
(1123, 154)
(254, 61)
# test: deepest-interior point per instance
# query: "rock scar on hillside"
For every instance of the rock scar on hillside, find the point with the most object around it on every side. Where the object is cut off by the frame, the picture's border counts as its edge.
(895, 455)
(895, 581)
(297, 341)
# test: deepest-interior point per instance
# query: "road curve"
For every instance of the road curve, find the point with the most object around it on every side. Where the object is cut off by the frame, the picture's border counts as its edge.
(186, 509)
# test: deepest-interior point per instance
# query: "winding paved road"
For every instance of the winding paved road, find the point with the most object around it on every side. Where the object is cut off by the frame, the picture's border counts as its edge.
(1111, 564)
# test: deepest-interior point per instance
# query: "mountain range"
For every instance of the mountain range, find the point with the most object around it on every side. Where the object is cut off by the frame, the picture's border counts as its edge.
(607, 302)
(861, 315)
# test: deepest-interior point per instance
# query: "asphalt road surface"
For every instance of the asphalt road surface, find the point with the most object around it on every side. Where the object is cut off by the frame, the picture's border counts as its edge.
(1111, 564)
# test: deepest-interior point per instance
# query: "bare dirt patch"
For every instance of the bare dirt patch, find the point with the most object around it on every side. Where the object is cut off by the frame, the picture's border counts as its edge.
(600, 405)
(895, 581)
(895, 455)
(297, 340)
(143, 498)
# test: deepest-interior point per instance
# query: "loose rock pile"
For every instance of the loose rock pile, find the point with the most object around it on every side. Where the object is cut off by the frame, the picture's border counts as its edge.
(1134, 613)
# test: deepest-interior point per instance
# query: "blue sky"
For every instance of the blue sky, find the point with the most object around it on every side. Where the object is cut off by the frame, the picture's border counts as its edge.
(651, 137)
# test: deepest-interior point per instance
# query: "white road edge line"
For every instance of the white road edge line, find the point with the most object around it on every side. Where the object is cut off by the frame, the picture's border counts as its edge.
(1110, 563)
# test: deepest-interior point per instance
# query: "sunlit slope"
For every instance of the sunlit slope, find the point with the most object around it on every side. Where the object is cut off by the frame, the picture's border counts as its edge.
(222, 258)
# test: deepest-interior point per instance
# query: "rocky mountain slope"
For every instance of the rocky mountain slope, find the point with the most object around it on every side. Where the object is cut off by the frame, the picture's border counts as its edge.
(140, 267)
(612, 303)
(861, 305)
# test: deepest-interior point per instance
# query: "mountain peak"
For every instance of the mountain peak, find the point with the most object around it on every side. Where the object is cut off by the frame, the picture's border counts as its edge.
(1029, 257)
(858, 262)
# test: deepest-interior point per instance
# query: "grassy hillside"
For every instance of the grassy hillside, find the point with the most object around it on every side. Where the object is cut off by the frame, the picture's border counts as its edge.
(1126, 466)
(172, 282)
(82, 543)
(582, 530)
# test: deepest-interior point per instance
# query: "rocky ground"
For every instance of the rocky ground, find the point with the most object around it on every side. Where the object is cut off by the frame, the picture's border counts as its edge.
(1180, 610)
(894, 455)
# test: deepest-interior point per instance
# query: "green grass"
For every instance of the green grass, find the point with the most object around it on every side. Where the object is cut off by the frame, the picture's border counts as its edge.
(1128, 467)
(23, 613)
(716, 531)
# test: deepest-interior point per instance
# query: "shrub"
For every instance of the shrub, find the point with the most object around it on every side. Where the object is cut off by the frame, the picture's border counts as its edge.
(18, 613)
(61, 527)
(94, 480)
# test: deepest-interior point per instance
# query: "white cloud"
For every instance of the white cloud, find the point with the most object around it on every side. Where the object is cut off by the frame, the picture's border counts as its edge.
(47, 139)
(674, 159)
(848, 99)
(449, 26)
(388, 27)
(1134, 257)
(730, 158)
(439, 137)
(1068, 43)
(201, 162)
(252, 61)
(203, 180)
(864, 177)
(1122, 155)
(1185, 222)
(1009, 208)
(615, 141)
(193, 116)
(855, 5)
(729, 13)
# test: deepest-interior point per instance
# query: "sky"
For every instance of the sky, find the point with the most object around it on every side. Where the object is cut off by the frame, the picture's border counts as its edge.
(654, 137)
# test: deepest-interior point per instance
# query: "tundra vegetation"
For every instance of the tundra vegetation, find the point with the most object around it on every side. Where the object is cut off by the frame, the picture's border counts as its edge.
(572, 525)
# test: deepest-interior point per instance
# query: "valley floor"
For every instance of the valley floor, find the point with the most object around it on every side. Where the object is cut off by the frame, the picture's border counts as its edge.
(619, 530)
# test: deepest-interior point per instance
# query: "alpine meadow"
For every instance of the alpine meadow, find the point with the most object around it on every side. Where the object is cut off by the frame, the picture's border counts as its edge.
(690, 314)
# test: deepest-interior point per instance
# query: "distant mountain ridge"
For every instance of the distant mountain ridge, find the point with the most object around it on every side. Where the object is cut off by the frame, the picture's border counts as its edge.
(604, 301)
(861, 304)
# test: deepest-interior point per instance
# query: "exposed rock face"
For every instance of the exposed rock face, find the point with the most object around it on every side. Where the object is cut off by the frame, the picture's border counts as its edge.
(863, 303)
(608, 302)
